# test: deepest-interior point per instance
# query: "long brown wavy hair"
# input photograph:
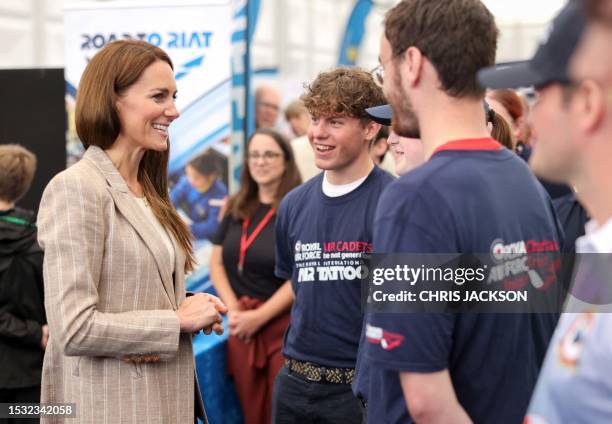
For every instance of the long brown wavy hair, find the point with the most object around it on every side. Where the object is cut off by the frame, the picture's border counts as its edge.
(109, 73)
(246, 201)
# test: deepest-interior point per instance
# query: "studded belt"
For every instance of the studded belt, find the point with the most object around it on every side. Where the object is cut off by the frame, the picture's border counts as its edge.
(318, 373)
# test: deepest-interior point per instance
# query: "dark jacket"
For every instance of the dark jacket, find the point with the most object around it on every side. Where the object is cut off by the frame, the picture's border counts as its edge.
(22, 312)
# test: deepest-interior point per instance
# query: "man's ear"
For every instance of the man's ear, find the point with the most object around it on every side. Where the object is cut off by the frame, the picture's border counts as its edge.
(411, 65)
(590, 104)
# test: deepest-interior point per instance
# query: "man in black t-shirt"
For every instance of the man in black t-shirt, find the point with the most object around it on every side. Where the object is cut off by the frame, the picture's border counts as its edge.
(324, 229)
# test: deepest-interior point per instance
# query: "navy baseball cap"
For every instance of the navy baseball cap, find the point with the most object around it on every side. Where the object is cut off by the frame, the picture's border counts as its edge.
(380, 114)
(551, 60)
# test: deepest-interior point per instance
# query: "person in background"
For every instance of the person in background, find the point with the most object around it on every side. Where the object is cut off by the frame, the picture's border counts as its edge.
(242, 271)
(267, 106)
(379, 149)
(498, 127)
(23, 324)
(200, 193)
(116, 253)
(509, 105)
(406, 152)
(298, 118)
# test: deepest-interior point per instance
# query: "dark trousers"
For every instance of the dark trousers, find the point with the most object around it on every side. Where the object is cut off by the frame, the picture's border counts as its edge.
(298, 401)
(22, 395)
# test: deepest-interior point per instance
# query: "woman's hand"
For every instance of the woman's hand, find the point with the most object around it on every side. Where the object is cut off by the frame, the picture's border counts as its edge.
(201, 312)
(245, 324)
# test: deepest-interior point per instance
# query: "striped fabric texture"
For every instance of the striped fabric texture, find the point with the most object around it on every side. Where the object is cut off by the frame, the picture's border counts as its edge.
(110, 294)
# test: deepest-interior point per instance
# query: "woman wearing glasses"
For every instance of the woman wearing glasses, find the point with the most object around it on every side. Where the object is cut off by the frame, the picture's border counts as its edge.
(242, 271)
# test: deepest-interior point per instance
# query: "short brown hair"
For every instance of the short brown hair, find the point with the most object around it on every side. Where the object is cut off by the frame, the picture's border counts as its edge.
(107, 75)
(458, 37)
(295, 109)
(17, 167)
(344, 92)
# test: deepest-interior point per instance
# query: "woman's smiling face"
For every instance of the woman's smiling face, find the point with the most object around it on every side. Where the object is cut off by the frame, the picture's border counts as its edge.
(146, 108)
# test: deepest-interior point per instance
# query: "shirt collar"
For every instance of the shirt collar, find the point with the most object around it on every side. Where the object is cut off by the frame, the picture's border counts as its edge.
(470, 144)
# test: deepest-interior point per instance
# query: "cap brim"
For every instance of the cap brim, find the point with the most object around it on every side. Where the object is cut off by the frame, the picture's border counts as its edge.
(512, 75)
(381, 114)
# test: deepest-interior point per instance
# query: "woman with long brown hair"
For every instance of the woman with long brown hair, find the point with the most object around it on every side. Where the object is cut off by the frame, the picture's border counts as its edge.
(116, 253)
(242, 271)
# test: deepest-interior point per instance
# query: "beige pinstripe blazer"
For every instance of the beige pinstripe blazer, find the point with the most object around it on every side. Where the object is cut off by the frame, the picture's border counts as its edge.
(110, 293)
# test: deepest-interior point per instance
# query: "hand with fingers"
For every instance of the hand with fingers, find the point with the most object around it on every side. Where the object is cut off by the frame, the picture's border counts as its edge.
(245, 324)
(201, 312)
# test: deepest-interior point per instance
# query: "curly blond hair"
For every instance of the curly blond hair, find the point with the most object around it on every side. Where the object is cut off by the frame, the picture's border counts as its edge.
(343, 92)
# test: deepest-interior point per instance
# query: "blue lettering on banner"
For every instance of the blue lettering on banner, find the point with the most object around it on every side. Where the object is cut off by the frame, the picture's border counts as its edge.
(172, 40)
(183, 40)
(154, 39)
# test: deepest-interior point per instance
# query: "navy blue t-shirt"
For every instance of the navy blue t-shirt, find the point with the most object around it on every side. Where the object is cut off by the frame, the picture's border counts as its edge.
(320, 241)
(461, 201)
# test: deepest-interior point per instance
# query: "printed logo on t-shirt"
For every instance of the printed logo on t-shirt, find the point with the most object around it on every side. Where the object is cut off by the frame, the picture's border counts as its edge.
(331, 260)
(570, 345)
(386, 339)
(518, 263)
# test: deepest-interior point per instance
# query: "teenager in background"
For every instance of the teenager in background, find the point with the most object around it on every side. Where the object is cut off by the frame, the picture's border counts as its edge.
(23, 324)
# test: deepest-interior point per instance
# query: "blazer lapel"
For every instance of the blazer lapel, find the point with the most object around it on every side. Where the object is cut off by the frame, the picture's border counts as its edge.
(126, 204)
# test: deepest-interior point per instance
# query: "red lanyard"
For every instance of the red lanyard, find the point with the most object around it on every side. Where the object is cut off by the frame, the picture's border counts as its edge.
(245, 242)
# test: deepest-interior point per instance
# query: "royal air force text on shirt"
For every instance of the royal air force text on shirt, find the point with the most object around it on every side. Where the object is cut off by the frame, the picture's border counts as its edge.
(168, 40)
(518, 263)
(331, 260)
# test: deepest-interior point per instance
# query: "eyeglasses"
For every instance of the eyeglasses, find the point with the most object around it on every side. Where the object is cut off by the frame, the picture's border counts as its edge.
(269, 105)
(379, 74)
(267, 156)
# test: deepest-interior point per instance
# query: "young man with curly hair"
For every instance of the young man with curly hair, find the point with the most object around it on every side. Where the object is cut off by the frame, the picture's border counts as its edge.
(324, 228)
